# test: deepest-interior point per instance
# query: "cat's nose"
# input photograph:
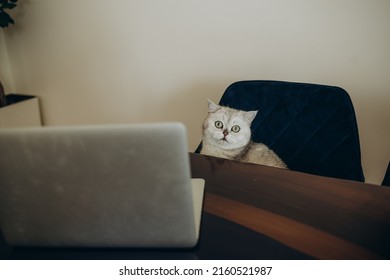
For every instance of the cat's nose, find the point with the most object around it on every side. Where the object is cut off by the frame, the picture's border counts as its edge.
(225, 132)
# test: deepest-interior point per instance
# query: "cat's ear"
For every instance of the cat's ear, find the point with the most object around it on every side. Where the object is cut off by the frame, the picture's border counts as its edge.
(212, 106)
(250, 115)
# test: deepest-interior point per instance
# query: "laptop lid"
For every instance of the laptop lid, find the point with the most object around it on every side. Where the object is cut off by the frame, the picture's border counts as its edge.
(94, 186)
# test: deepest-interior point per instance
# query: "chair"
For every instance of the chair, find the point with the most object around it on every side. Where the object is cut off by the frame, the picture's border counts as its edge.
(386, 179)
(311, 127)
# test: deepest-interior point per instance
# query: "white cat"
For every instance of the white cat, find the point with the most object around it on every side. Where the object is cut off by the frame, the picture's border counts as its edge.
(227, 134)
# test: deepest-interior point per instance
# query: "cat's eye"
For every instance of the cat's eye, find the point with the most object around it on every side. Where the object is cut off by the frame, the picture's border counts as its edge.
(235, 128)
(218, 124)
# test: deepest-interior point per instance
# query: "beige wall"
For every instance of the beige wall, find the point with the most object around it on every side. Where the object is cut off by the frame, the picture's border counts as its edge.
(96, 61)
(5, 67)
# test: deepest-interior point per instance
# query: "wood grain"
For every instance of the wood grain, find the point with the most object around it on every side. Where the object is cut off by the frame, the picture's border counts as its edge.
(299, 236)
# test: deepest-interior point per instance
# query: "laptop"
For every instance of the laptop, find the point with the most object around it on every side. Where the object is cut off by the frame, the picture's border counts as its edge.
(99, 186)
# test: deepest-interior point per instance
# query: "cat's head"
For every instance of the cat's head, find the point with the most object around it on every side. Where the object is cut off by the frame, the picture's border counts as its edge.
(227, 128)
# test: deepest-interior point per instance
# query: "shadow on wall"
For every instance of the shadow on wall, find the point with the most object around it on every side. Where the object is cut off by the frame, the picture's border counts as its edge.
(189, 106)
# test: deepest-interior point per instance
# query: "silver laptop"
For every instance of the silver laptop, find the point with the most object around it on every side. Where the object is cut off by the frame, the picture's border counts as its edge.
(98, 186)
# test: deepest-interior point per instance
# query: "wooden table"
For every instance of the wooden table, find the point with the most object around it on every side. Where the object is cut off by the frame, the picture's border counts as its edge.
(259, 212)
(323, 218)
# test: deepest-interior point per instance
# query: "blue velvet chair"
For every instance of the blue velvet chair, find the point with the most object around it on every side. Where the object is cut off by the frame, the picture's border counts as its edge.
(311, 127)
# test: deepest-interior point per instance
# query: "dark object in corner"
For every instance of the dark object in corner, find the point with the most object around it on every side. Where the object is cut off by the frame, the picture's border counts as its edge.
(15, 98)
(12, 98)
(5, 18)
(386, 179)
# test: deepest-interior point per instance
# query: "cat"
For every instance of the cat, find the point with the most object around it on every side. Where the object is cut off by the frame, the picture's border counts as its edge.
(227, 134)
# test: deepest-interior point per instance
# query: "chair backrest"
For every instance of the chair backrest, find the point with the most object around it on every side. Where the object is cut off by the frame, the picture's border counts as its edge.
(311, 127)
(386, 179)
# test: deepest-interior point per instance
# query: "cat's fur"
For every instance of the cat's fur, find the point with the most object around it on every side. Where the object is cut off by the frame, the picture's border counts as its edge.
(227, 134)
